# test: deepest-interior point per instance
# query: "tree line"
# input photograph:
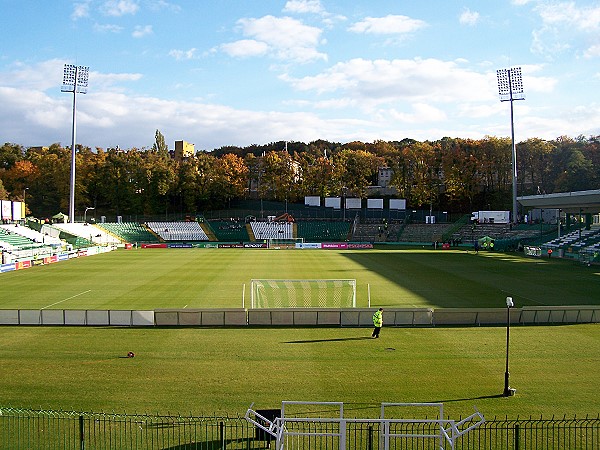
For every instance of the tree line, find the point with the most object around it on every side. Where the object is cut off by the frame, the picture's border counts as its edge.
(451, 174)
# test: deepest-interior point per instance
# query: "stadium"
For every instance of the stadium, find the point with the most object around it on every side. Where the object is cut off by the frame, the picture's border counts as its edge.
(199, 320)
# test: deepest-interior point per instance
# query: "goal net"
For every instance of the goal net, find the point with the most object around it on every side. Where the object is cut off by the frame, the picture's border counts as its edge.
(284, 243)
(303, 293)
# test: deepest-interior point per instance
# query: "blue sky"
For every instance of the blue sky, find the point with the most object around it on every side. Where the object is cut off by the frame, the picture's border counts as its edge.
(242, 72)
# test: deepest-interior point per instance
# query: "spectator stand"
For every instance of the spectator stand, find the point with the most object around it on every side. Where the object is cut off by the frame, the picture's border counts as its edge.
(232, 230)
(178, 231)
(131, 232)
(91, 233)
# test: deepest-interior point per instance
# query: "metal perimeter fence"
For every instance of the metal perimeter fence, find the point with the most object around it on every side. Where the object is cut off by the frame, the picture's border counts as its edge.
(37, 429)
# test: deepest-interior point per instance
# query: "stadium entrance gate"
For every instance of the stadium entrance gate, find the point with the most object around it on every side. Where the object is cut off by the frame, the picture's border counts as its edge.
(307, 432)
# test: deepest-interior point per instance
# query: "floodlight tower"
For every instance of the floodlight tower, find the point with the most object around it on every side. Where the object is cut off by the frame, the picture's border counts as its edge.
(75, 80)
(510, 87)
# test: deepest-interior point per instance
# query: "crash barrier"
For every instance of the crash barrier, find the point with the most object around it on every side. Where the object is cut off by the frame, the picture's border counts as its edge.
(27, 429)
(333, 317)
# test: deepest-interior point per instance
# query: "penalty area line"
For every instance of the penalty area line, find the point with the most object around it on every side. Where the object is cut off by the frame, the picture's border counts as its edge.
(73, 296)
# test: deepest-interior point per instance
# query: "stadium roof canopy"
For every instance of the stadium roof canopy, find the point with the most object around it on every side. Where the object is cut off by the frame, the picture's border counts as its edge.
(571, 202)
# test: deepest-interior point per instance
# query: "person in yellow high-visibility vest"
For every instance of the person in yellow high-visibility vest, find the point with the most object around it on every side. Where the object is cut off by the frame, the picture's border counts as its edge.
(377, 322)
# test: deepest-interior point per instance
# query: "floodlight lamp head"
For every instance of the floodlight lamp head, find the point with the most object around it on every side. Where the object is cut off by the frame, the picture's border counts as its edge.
(510, 84)
(75, 79)
(509, 302)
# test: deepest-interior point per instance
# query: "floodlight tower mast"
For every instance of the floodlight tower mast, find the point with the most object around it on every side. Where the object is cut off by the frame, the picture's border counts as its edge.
(75, 80)
(510, 87)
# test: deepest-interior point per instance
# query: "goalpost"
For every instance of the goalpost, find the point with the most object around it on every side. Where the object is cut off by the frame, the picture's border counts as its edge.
(287, 243)
(303, 293)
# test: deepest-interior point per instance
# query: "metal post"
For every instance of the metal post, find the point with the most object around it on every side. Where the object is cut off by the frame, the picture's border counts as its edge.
(73, 140)
(506, 373)
(510, 86)
(75, 80)
(222, 434)
(508, 392)
(81, 435)
(514, 153)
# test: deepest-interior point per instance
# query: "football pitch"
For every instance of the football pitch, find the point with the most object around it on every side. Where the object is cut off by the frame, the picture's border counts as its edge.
(215, 278)
(223, 370)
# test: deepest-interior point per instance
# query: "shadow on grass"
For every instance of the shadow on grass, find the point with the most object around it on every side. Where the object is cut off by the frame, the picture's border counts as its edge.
(218, 445)
(481, 397)
(328, 340)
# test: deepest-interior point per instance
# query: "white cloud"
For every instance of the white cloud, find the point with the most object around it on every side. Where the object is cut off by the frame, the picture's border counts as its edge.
(303, 6)
(468, 17)
(593, 51)
(120, 7)
(107, 28)
(569, 15)
(391, 24)
(421, 99)
(40, 76)
(416, 80)
(158, 5)
(245, 48)
(183, 54)
(111, 81)
(478, 111)
(81, 10)
(421, 113)
(565, 26)
(283, 38)
(141, 31)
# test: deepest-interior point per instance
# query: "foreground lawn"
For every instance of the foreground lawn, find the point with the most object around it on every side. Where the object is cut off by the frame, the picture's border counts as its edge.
(205, 371)
(214, 278)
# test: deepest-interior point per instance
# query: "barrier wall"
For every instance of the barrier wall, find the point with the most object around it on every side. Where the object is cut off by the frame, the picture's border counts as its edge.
(291, 317)
(200, 317)
(127, 318)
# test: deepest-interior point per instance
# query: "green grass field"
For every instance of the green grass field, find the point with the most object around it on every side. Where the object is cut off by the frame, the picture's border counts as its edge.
(214, 278)
(207, 370)
(187, 370)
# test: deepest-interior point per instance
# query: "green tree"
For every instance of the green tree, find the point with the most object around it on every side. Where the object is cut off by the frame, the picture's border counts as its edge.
(533, 164)
(231, 178)
(317, 175)
(355, 169)
(3, 192)
(460, 169)
(49, 187)
(10, 154)
(279, 173)
(418, 182)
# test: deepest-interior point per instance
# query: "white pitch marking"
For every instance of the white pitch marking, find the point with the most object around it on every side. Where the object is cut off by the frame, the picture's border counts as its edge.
(73, 296)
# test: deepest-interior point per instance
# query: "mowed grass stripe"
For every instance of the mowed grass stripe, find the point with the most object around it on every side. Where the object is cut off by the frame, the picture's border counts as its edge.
(214, 278)
(207, 370)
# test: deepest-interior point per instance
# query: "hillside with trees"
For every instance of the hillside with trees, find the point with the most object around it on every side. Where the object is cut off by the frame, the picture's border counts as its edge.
(453, 174)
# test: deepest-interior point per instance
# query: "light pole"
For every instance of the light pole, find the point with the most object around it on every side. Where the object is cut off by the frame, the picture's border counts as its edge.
(510, 88)
(75, 80)
(344, 193)
(508, 391)
(87, 208)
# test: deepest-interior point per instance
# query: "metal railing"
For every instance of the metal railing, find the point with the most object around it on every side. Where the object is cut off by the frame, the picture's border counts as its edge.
(22, 429)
